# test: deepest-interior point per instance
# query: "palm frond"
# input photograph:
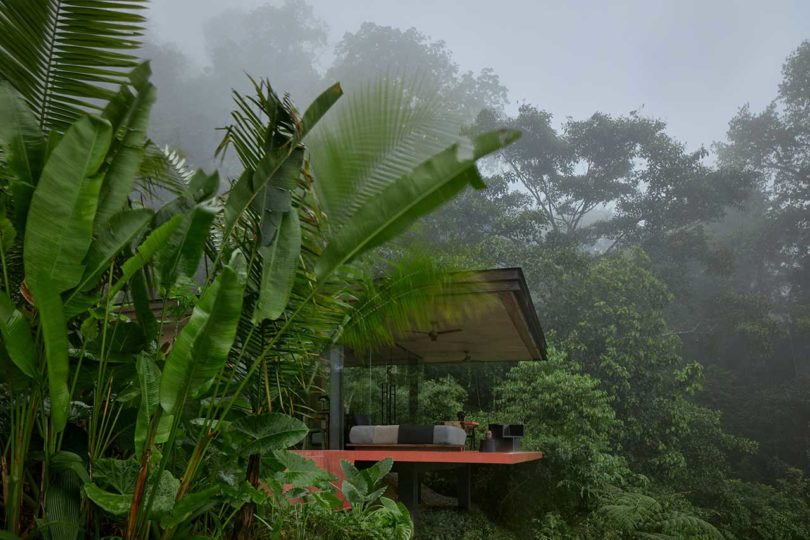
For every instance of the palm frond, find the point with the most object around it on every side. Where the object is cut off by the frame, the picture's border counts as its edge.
(67, 57)
(163, 171)
(408, 294)
(375, 136)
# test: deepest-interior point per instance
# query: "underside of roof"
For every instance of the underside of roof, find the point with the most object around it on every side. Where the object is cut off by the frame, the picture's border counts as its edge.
(488, 317)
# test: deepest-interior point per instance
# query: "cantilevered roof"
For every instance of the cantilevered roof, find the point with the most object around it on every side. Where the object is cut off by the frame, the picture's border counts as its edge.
(492, 318)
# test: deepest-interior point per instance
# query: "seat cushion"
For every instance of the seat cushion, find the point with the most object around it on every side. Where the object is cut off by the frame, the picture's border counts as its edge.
(449, 435)
(385, 434)
(415, 434)
(361, 434)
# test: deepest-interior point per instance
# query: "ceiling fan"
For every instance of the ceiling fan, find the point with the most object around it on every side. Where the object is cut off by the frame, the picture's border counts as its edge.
(434, 332)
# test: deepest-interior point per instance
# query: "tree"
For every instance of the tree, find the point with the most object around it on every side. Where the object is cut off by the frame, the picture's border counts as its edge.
(376, 49)
(619, 179)
(281, 41)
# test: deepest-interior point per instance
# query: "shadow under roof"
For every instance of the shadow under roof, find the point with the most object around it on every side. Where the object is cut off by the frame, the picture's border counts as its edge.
(492, 317)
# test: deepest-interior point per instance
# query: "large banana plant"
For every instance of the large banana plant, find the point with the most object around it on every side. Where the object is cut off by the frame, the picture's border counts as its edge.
(68, 219)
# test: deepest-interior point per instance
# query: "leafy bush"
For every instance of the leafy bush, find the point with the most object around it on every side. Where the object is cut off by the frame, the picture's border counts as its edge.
(456, 525)
(440, 400)
(294, 510)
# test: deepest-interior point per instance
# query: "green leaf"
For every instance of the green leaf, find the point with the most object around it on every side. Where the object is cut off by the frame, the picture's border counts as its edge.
(60, 220)
(400, 204)
(143, 307)
(17, 338)
(144, 253)
(119, 474)
(65, 479)
(203, 344)
(319, 108)
(261, 190)
(202, 186)
(54, 333)
(279, 265)
(269, 431)
(68, 461)
(274, 197)
(115, 236)
(377, 134)
(149, 381)
(116, 504)
(296, 470)
(183, 250)
(129, 152)
(24, 147)
(7, 234)
(190, 505)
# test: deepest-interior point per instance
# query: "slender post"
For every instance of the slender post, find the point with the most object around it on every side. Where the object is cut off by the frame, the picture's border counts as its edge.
(414, 372)
(336, 397)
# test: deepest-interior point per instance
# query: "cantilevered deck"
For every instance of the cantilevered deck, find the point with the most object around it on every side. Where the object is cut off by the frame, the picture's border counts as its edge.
(410, 464)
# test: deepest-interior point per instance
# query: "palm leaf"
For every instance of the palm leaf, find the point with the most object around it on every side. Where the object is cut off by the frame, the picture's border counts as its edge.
(407, 294)
(66, 57)
(390, 211)
(375, 136)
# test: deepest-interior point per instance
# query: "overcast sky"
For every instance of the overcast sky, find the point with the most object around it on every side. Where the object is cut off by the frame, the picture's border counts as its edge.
(689, 62)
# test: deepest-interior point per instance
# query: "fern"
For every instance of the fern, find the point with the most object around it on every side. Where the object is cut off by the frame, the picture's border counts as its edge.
(642, 516)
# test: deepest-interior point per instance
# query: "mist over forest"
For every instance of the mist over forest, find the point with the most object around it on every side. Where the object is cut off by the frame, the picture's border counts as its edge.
(197, 223)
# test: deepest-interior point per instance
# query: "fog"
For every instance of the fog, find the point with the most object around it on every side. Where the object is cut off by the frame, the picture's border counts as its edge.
(691, 63)
(573, 235)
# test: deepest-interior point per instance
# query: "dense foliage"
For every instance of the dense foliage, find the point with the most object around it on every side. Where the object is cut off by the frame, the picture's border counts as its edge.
(675, 403)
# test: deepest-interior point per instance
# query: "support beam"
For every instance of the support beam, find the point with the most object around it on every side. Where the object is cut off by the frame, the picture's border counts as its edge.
(336, 397)
(465, 487)
(408, 487)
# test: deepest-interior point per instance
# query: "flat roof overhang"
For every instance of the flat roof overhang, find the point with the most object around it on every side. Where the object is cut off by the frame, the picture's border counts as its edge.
(494, 318)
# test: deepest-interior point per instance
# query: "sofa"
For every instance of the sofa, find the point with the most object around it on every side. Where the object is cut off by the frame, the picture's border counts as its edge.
(451, 437)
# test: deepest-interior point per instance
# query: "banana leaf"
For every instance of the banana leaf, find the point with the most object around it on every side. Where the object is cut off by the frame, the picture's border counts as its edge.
(202, 347)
